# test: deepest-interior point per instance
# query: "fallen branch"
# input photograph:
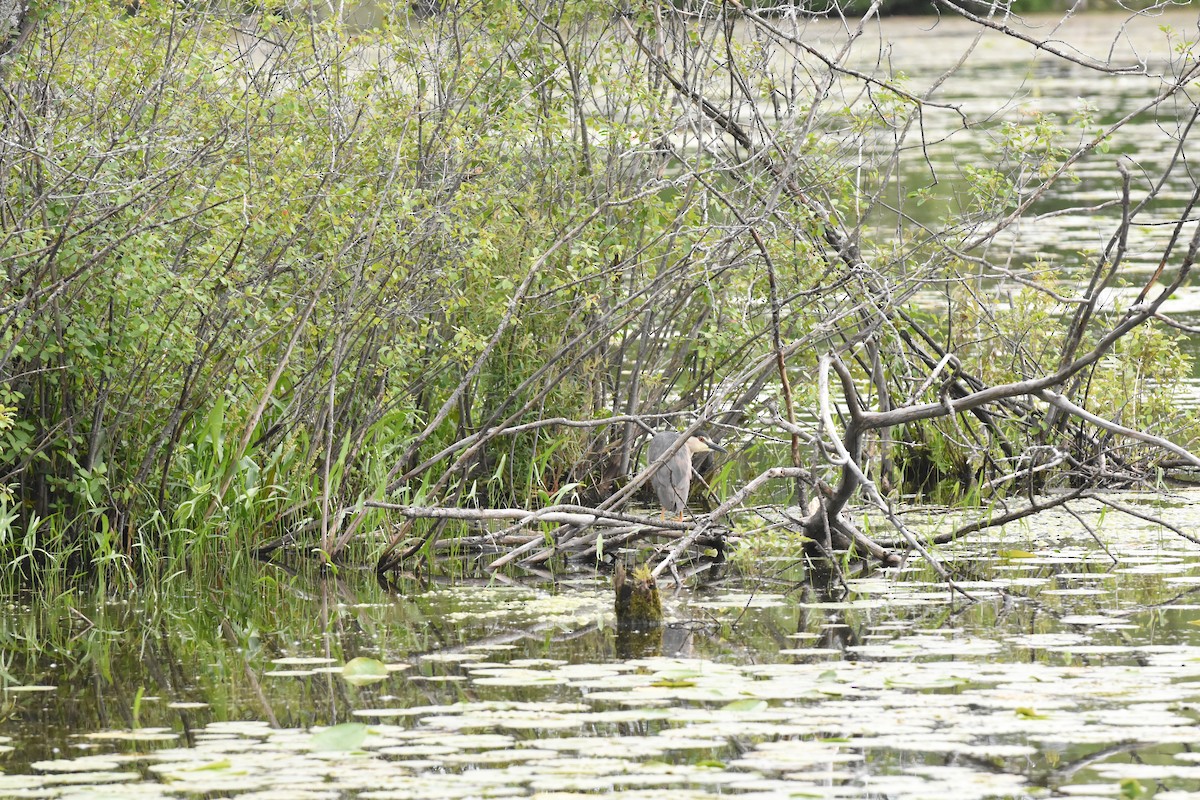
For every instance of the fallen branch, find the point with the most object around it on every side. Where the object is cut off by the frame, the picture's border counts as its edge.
(560, 514)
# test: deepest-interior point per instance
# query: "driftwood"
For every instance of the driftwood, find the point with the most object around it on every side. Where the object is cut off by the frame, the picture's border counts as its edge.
(580, 531)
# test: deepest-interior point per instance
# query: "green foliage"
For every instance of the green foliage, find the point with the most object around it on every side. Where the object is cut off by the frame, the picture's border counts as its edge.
(276, 272)
(1134, 384)
(756, 547)
(260, 271)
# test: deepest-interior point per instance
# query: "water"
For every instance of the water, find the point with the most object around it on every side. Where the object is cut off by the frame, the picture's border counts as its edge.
(1008, 82)
(1063, 669)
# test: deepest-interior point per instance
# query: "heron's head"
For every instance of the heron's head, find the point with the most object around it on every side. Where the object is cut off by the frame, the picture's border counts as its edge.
(703, 444)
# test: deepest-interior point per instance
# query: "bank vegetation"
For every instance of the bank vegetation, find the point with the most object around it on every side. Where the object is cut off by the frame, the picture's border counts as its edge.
(278, 282)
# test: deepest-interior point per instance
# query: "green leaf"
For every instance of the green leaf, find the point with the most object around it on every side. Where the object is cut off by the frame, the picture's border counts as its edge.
(361, 671)
(749, 704)
(347, 736)
(1016, 554)
(1132, 788)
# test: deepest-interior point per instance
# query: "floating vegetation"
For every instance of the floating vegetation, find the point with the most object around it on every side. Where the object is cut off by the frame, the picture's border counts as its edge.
(1063, 675)
(362, 671)
(790, 729)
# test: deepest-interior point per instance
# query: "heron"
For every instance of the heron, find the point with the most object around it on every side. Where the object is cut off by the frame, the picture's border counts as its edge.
(674, 478)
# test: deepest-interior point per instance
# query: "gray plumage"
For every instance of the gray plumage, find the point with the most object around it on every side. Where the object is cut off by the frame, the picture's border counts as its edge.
(673, 479)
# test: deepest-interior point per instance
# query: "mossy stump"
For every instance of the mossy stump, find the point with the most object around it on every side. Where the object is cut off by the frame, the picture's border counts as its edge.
(639, 607)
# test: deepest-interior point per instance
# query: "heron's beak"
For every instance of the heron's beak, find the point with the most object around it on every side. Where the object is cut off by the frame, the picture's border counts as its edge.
(714, 446)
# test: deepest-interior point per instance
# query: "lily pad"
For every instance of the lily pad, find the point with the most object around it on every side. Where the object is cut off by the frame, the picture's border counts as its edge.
(346, 736)
(362, 671)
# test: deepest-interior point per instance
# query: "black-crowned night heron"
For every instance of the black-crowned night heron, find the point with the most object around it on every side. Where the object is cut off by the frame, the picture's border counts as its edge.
(674, 478)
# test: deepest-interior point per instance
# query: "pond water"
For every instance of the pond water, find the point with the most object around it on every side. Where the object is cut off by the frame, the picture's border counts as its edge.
(1066, 672)
(1006, 82)
(984, 91)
